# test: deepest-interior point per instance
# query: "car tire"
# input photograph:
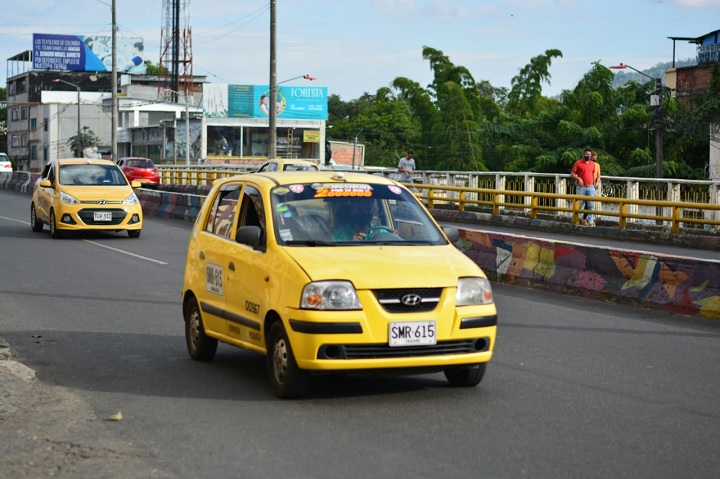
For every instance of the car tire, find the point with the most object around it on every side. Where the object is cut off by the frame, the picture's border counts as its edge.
(287, 379)
(465, 376)
(35, 224)
(54, 231)
(134, 233)
(200, 346)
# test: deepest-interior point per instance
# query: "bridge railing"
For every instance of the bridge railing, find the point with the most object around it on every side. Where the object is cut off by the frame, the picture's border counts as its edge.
(622, 200)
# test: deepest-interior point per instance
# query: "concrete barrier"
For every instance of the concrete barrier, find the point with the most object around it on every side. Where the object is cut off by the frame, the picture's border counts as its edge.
(671, 283)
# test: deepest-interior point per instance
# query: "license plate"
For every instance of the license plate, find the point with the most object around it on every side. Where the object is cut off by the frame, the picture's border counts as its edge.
(412, 333)
(102, 216)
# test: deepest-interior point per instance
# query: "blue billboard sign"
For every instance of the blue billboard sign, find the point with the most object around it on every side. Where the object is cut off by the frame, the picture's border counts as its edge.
(87, 53)
(293, 102)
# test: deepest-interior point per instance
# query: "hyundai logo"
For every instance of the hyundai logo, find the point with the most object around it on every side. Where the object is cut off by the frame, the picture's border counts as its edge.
(102, 202)
(411, 300)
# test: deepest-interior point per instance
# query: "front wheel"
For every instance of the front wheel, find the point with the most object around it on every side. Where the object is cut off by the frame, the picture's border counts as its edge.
(200, 346)
(54, 231)
(286, 378)
(35, 224)
(465, 376)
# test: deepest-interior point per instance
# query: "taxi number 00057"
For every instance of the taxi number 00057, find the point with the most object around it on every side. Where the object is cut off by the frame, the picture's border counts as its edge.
(412, 333)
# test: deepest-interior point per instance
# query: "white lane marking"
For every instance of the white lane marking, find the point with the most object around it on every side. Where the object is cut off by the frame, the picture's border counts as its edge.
(13, 219)
(98, 244)
(126, 252)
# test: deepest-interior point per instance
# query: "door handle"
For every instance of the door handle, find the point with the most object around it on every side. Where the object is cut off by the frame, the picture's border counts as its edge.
(231, 266)
(202, 255)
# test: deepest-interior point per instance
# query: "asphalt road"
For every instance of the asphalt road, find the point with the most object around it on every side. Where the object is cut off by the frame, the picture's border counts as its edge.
(576, 388)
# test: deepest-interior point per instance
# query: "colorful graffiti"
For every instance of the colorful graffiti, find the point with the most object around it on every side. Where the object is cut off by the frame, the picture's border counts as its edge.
(675, 284)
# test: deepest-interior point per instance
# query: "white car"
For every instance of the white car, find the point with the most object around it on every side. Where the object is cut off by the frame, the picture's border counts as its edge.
(5, 165)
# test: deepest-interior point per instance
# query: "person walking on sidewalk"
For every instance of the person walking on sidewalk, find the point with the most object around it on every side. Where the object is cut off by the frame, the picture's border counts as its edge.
(583, 172)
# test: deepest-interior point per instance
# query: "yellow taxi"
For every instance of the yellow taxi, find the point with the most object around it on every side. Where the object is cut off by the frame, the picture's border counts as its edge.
(333, 271)
(85, 194)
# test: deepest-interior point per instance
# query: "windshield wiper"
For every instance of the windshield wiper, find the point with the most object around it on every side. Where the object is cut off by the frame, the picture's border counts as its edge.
(310, 243)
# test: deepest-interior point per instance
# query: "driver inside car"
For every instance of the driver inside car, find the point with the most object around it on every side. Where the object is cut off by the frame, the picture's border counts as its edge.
(354, 221)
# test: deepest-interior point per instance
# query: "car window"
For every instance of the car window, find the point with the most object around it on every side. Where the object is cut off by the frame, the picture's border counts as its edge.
(299, 167)
(252, 212)
(351, 213)
(222, 212)
(140, 164)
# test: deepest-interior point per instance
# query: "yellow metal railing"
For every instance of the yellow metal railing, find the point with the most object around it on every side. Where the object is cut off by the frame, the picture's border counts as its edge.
(537, 203)
(688, 203)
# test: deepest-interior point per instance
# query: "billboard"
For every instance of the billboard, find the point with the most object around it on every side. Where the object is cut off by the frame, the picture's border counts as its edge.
(87, 53)
(253, 101)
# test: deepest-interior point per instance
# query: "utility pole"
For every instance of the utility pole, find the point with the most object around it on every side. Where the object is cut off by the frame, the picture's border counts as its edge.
(114, 115)
(272, 111)
(658, 129)
(355, 148)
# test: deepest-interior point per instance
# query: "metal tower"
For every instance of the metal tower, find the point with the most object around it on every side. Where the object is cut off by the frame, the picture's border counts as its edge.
(176, 71)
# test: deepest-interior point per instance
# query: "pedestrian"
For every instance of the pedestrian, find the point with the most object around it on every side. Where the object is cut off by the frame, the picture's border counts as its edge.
(598, 184)
(406, 167)
(583, 172)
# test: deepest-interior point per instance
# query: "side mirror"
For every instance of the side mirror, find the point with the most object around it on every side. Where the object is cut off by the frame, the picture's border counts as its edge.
(44, 183)
(452, 233)
(249, 235)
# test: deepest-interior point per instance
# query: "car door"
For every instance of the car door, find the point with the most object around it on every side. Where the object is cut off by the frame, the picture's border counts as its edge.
(247, 275)
(214, 239)
(44, 196)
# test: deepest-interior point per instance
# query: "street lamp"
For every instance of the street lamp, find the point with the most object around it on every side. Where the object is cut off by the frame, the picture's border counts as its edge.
(272, 113)
(187, 126)
(79, 131)
(655, 100)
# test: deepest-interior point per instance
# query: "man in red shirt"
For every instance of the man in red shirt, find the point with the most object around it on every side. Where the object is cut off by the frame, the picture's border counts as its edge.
(583, 172)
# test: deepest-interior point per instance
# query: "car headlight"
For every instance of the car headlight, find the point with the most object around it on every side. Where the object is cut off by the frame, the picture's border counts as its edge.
(131, 200)
(473, 291)
(329, 295)
(66, 199)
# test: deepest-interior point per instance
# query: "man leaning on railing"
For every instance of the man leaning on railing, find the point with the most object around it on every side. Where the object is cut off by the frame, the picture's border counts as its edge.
(583, 172)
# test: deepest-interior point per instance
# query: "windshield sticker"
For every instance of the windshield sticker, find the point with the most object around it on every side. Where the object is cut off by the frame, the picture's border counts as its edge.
(281, 191)
(343, 190)
(297, 188)
(395, 189)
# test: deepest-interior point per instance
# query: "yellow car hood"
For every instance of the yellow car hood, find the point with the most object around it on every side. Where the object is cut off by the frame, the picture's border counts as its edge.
(386, 266)
(95, 193)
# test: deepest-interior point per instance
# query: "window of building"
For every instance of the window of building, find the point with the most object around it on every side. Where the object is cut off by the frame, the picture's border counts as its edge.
(33, 124)
(24, 113)
(15, 114)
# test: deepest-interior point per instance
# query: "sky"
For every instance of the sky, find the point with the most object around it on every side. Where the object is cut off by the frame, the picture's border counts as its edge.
(354, 47)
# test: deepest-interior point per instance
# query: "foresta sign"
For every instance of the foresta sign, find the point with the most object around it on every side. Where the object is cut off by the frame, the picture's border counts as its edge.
(253, 101)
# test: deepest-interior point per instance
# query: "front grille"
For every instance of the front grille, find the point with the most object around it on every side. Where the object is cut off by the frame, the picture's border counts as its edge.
(381, 351)
(87, 216)
(400, 300)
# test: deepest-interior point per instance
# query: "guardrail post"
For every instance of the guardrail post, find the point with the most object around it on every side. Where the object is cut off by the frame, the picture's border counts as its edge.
(500, 181)
(633, 193)
(529, 186)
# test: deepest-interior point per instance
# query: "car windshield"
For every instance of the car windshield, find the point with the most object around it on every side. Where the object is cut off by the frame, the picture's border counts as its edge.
(140, 163)
(91, 175)
(314, 214)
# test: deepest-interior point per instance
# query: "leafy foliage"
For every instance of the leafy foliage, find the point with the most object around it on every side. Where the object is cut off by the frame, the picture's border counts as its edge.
(460, 124)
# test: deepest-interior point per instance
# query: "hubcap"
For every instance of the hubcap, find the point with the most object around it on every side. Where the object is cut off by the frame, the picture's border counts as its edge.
(280, 359)
(194, 328)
